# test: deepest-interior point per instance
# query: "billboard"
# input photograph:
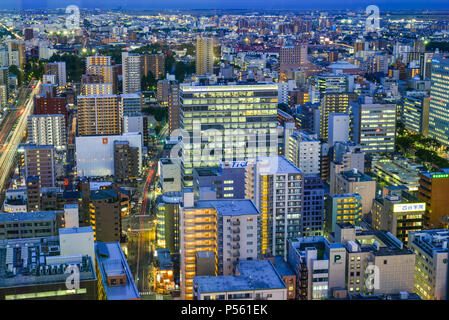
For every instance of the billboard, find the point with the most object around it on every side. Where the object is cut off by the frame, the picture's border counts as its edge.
(409, 207)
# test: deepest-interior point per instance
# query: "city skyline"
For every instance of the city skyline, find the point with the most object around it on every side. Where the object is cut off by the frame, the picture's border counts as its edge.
(228, 4)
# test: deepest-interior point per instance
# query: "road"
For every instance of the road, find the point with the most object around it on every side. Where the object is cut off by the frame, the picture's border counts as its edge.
(12, 133)
(12, 31)
(141, 229)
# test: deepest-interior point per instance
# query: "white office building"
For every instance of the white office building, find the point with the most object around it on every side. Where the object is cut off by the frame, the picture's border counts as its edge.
(303, 150)
(48, 129)
(95, 154)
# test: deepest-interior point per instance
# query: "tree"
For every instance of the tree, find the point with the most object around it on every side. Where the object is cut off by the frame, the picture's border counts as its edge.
(149, 82)
(13, 69)
(169, 63)
(75, 66)
(404, 144)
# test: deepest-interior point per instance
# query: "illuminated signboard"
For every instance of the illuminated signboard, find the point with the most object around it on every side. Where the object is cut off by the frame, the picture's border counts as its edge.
(235, 164)
(409, 207)
(438, 176)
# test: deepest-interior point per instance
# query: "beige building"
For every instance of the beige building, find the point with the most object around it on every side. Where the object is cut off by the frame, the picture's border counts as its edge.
(98, 115)
(398, 214)
(198, 244)
(204, 55)
(331, 103)
(356, 182)
(431, 271)
(377, 262)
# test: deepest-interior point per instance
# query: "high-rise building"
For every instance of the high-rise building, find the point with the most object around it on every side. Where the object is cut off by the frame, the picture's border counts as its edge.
(345, 156)
(101, 67)
(163, 91)
(432, 190)
(126, 162)
(343, 208)
(320, 266)
(104, 213)
(328, 83)
(50, 104)
(40, 161)
(137, 124)
(174, 108)
(439, 101)
(33, 184)
(356, 182)
(96, 88)
(399, 214)
(237, 222)
(374, 126)
(119, 283)
(277, 187)
(239, 122)
(98, 115)
(130, 104)
(431, 252)
(167, 213)
(303, 150)
(198, 236)
(4, 86)
(292, 57)
(204, 55)
(31, 224)
(154, 63)
(95, 154)
(58, 69)
(132, 72)
(28, 33)
(338, 130)
(16, 53)
(378, 253)
(170, 174)
(415, 113)
(225, 182)
(331, 103)
(47, 129)
(312, 217)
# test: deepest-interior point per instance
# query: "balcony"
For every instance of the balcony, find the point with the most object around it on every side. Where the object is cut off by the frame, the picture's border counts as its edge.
(236, 246)
(235, 230)
(235, 223)
(237, 238)
(236, 254)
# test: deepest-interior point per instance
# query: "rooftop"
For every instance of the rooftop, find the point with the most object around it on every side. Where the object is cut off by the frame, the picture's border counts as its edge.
(34, 261)
(355, 176)
(112, 261)
(254, 275)
(27, 216)
(75, 230)
(431, 241)
(282, 267)
(233, 207)
(164, 259)
(276, 165)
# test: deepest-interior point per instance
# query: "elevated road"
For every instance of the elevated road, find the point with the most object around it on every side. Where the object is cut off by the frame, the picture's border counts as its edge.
(12, 135)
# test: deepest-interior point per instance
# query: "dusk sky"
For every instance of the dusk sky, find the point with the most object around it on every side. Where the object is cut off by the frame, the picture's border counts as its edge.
(226, 4)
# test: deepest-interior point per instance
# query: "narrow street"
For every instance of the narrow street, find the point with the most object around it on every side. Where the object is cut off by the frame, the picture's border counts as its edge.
(140, 229)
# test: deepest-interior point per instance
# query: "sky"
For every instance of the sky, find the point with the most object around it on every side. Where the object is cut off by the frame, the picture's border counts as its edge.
(227, 4)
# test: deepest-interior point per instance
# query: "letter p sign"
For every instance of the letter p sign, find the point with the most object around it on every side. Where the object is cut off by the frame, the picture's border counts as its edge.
(337, 257)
